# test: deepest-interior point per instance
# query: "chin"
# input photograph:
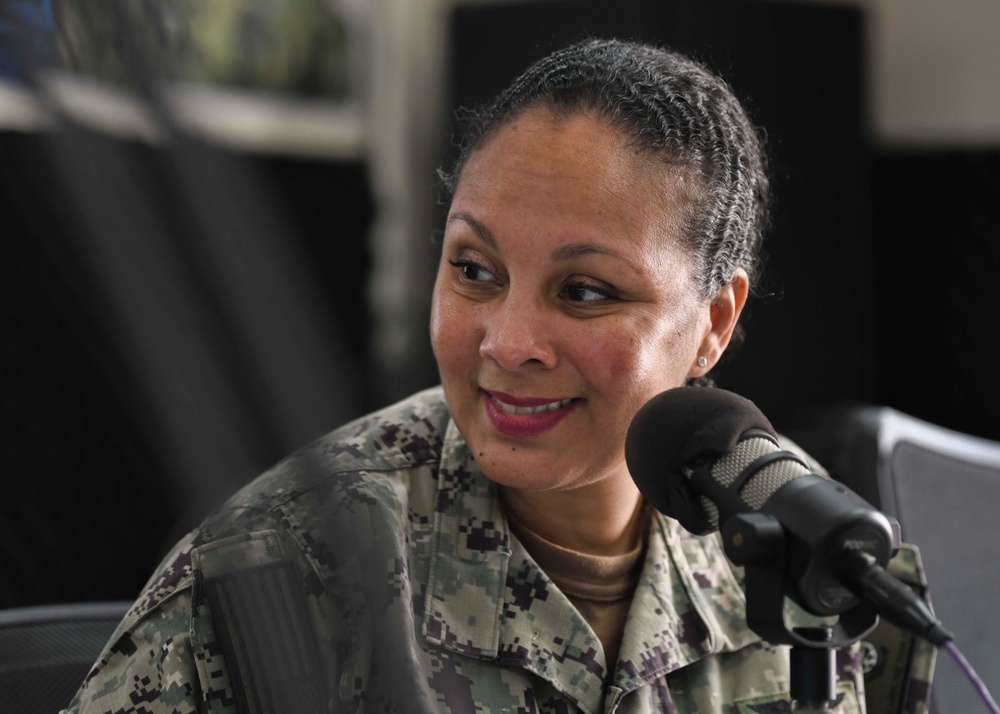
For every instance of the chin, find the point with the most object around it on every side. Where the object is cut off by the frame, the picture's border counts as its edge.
(501, 465)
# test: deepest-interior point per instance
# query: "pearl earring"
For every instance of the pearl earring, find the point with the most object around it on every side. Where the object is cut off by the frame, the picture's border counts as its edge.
(702, 362)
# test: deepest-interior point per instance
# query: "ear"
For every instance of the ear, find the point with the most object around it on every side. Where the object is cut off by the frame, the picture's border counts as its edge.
(724, 313)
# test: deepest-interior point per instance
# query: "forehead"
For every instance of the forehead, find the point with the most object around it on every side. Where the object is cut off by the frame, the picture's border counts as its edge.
(543, 141)
(549, 165)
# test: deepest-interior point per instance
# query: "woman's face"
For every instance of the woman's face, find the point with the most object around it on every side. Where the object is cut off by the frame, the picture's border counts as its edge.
(563, 300)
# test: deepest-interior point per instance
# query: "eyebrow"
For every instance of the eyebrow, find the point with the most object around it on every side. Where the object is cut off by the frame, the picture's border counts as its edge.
(578, 250)
(565, 252)
(484, 233)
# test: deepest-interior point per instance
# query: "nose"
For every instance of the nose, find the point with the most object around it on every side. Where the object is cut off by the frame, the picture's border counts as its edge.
(518, 335)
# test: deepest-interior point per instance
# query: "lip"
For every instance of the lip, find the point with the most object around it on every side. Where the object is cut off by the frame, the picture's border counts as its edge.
(524, 425)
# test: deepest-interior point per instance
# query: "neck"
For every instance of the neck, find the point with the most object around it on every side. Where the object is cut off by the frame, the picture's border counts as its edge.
(599, 518)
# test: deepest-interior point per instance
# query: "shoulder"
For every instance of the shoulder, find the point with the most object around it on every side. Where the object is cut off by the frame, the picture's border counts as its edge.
(409, 432)
(342, 466)
(364, 463)
(325, 508)
(404, 435)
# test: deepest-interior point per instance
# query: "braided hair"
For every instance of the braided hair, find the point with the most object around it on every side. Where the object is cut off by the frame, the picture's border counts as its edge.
(661, 102)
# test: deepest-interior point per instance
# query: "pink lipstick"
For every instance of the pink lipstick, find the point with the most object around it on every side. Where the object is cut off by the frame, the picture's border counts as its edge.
(525, 416)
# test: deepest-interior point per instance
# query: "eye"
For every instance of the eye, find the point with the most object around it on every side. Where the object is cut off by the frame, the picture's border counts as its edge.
(473, 272)
(585, 292)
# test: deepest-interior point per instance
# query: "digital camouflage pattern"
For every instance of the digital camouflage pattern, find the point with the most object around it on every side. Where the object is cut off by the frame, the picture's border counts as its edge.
(374, 571)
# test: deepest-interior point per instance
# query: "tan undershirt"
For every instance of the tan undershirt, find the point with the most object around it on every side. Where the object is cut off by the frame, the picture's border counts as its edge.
(599, 586)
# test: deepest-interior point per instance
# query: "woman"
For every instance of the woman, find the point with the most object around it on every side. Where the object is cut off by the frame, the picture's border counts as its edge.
(481, 546)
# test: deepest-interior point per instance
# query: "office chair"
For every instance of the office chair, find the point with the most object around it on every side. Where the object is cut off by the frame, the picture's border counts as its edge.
(46, 651)
(943, 487)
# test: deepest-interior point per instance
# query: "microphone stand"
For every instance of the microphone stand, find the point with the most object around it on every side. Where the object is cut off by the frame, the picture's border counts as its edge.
(813, 684)
(757, 542)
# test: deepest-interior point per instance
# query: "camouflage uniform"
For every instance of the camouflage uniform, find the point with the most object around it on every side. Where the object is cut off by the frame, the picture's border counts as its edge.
(374, 571)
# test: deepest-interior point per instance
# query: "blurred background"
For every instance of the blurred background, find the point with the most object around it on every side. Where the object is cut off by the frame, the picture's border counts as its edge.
(218, 221)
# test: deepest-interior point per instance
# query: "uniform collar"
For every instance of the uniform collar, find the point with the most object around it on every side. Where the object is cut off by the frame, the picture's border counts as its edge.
(487, 598)
(470, 549)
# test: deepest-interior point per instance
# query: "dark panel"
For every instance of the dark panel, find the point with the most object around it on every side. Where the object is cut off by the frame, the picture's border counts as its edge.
(811, 334)
(84, 498)
(90, 496)
(329, 209)
(936, 225)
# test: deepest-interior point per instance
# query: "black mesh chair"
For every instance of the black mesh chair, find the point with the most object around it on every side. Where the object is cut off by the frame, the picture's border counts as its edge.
(46, 651)
(944, 489)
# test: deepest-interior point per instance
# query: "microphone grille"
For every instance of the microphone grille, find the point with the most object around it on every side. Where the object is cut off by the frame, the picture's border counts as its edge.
(709, 511)
(762, 485)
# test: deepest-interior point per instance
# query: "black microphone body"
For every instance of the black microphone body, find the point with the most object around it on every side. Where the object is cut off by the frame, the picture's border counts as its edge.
(710, 459)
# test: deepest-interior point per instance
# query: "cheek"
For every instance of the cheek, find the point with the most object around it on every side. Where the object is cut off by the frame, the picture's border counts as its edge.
(437, 323)
(627, 366)
(612, 360)
(453, 333)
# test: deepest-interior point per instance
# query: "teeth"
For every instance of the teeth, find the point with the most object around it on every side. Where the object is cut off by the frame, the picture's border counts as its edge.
(540, 409)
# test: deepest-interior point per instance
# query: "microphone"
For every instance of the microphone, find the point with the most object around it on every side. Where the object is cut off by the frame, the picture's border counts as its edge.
(711, 460)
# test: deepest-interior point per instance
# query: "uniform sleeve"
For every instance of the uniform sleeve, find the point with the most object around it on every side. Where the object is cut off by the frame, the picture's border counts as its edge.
(146, 667)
